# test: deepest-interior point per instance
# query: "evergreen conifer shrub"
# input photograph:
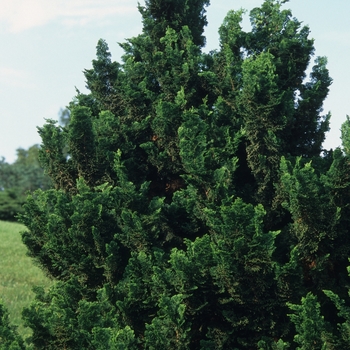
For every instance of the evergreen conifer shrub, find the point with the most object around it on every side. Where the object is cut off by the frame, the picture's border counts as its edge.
(193, 205)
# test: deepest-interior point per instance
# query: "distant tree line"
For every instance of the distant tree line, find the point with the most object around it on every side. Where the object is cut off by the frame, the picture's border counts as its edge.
(18, 179)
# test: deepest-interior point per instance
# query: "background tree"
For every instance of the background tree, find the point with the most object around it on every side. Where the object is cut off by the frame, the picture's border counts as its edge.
(64, 116)
(17, 179)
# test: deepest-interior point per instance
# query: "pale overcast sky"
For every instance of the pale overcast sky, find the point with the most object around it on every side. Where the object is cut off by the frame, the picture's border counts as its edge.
(45, 46)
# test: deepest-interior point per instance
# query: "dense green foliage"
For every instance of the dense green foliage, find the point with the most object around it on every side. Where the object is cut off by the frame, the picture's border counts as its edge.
(193, 206)
(9, 339)
(17, 179)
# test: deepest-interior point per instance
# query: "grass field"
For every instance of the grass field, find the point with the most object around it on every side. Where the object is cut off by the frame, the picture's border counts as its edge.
(18, 274)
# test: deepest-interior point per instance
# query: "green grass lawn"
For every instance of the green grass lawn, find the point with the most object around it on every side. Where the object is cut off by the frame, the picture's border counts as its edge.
(18, 274)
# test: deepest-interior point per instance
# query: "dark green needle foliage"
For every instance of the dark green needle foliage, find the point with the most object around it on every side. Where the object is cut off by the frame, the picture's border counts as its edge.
(193, 205)
(9, 338)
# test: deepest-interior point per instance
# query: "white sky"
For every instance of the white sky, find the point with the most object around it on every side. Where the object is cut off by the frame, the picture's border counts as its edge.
(45, 46)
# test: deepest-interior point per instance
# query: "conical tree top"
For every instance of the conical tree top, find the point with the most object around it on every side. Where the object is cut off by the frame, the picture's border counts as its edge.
(158, 15)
